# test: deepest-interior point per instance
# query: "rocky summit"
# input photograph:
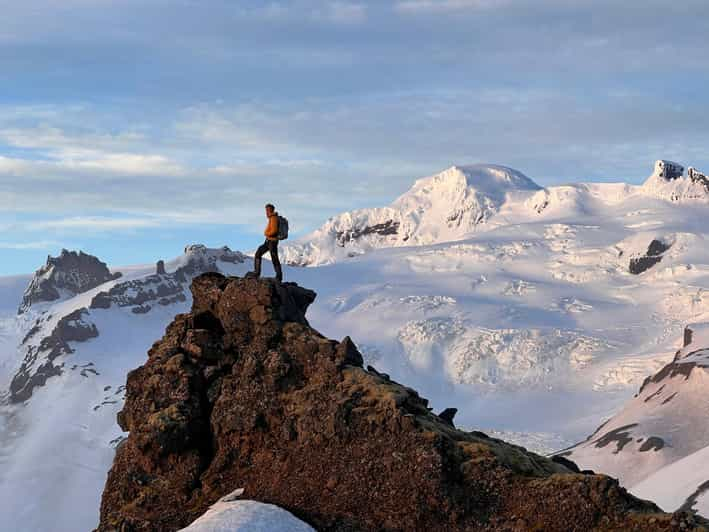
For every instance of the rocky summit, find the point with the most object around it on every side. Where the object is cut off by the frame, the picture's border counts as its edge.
(242, 393)
(68, 274)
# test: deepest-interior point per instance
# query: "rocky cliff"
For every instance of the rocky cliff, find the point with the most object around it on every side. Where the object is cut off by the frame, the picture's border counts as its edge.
(243, 393)
(68, 274)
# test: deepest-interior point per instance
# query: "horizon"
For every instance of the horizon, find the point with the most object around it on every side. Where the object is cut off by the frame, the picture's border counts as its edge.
(131, 130)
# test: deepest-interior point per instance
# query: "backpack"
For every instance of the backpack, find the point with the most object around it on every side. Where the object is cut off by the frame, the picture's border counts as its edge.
(282, 228)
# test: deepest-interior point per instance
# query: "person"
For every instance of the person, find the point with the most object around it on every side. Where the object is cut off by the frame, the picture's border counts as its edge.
(270, 245)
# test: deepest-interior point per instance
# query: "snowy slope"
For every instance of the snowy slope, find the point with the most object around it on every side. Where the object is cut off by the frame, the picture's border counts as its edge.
(11, 290)
(665, 421)
(662, 433)
(683, 484)
(515, 304)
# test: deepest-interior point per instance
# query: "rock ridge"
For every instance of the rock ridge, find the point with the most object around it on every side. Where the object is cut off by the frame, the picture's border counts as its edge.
(242, 393)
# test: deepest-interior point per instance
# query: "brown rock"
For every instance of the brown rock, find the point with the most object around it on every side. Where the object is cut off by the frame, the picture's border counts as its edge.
(294, 419)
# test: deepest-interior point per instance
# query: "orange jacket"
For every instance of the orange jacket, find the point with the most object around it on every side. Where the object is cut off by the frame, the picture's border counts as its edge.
(271, 232)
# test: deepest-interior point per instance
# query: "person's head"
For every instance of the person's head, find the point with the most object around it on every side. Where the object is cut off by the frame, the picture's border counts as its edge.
(270, 209)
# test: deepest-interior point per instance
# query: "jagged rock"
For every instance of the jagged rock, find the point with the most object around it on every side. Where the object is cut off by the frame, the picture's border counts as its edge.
(448, 415)
(160, 268)
(242, 393)
(68, 274)
(669, 170)
(34, 370)
(698, 177)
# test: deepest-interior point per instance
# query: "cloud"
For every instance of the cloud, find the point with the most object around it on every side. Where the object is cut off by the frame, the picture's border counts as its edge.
(428, 6)
(342, 13)
(19, 246)
(127, 164)
(91, 223)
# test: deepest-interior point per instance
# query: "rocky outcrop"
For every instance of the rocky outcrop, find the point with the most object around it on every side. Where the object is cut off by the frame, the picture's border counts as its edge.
(655, 250)
(390, 227)
(68, 274)
(243, 393)
(698, 177)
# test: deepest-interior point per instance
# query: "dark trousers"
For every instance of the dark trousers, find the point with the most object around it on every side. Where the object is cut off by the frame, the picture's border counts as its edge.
(270, 246)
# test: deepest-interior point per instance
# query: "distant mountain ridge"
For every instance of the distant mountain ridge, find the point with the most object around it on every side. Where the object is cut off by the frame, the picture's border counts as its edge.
(445, 206)
(462, 200)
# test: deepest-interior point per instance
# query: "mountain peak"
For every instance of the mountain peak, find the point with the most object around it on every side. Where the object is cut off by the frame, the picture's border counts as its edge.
(497, 176)
(68, 274)
(243, 393)
(447, 206)
(488, 179)
(668, 182)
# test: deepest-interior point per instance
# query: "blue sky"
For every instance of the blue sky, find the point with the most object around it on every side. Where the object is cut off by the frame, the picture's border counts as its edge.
(131, 128)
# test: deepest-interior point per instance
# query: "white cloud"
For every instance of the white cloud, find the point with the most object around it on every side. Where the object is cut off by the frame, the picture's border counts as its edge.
(56, 152)
(342, 13)
(428, 6)
(127, 164)
(100, 165)
(41, 244)
(16, 167)
(318, 11)
(92, 223)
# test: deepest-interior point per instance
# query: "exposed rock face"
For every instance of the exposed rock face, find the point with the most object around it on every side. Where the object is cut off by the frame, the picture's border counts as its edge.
(698, 177)
(653, 255)
(35, 370)
(390, 227)
(68, 274)
(242, 393)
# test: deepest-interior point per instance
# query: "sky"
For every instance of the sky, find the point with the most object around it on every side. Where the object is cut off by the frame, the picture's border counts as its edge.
(130, 128)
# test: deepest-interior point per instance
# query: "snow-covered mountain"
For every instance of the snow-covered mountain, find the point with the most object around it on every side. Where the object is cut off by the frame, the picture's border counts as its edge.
(440, 208)
(65, 276)
(657, 442)
(463, 200)
(535, 311)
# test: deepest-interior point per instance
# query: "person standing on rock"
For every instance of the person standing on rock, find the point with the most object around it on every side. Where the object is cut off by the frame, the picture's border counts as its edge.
(270, 245)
